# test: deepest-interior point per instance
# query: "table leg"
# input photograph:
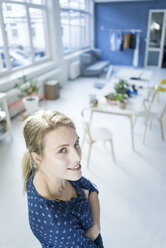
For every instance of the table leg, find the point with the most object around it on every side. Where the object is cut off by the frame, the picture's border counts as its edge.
(132, 132)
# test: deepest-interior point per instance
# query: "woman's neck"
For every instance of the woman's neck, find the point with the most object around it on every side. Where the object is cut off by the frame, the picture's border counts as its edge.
(48, 187)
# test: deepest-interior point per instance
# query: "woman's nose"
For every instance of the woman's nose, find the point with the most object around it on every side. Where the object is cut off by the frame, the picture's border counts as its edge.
(76, 155)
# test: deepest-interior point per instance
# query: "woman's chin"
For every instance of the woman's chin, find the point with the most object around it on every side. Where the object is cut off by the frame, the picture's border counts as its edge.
(75, 173)
(76, 176)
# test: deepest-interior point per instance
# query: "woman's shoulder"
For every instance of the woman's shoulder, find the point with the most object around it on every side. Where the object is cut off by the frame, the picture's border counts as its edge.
(86, 184)
(82, 180)
(35, 200)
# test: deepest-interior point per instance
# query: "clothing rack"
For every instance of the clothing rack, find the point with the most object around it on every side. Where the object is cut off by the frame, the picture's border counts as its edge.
(126, 30)
(136, 50)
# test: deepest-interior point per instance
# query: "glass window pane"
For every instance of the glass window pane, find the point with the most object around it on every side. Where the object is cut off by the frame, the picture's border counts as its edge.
(75, 24)
(75, 30)
(153, 58)
(18, 0)
(74, 4)
(74, 18)
(36, 1)
(82, 4)
(2, 54)
(75, 37)
(38, 32)
(64, 3)
(156, 27)
(17, 33)
(65, 30)
(84, 30)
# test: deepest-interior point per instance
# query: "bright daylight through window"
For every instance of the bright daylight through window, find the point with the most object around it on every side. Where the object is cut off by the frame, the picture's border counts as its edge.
(75, 22)
(23, 36)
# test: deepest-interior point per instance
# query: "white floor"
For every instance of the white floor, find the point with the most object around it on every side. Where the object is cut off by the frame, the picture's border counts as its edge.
(132, 191)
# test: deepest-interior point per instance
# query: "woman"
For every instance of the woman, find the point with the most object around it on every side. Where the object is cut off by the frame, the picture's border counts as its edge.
(63, 206)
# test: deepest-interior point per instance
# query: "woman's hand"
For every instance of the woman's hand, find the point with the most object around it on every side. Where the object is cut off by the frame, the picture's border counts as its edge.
(93, 232)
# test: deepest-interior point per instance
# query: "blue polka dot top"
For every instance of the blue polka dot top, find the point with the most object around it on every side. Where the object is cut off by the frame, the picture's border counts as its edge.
(60, 224)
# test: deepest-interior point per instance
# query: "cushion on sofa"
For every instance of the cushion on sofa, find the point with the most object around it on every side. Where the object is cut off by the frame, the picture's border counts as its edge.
(90, 63)
(97, 66)
(85, 58)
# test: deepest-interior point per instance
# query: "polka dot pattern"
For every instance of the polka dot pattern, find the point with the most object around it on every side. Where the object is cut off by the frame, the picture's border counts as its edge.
(59, 223)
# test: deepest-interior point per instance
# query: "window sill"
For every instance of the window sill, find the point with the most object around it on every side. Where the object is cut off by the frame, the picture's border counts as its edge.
(8, 81)
(75, 54)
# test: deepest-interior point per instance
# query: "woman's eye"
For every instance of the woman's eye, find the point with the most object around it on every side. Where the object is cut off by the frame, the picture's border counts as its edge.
(63, 150)
(77, 143)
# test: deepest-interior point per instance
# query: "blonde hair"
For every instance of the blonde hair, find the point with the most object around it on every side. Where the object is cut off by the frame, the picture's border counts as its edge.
(36, 126)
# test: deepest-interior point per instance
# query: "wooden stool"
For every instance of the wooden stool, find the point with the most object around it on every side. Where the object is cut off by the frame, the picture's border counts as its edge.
(52, 90)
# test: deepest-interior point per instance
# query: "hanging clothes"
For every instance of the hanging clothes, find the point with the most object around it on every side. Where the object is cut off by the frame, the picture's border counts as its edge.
(112, 41)
(136, 50)
(115, 41)
(122, 42)
(132, 41)
(122, 39)
(127, 40)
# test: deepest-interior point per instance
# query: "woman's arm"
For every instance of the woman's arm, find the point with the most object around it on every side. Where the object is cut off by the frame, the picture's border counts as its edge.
(64, 234)
(91, 192)
(94, 230)
(53, 229)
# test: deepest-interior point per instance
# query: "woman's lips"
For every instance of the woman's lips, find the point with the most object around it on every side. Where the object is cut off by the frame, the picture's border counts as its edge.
(75, 168)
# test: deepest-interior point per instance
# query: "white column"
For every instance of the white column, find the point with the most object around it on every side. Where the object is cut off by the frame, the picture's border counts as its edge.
(56, 36)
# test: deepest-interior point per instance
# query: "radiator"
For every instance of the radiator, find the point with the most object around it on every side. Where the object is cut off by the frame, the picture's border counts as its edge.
(74, 69)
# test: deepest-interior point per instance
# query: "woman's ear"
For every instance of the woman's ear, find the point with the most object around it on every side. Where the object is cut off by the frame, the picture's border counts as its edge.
(36, 157)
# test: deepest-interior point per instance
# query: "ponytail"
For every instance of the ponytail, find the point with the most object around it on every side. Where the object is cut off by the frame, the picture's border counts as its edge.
(27, 169)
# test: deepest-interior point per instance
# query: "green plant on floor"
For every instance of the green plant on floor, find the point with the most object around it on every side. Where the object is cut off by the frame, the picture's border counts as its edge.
(26, 87)
(121, 87)
(20, 47)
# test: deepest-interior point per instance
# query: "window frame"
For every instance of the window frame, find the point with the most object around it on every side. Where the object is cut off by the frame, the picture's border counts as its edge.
(81, 12)
(9, 70)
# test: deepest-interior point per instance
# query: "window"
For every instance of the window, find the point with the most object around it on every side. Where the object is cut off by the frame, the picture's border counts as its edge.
(38, 32)
(14, 33)
(2, 54)
(23, 36)
(75, 22)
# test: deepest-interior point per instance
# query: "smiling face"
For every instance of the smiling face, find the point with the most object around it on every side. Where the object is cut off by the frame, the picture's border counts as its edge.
(62, 154)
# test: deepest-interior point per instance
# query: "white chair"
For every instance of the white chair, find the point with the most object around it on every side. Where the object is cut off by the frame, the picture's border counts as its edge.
(109, 73)
(94, 134)
(151, 94)
(148, 100)
(153, 112)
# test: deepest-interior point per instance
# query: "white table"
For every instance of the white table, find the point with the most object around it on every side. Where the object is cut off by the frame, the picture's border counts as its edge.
(133, 105)
(127, 73)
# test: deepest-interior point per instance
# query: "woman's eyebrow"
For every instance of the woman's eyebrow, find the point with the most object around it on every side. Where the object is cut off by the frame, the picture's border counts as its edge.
(62, 145)
(67, 144)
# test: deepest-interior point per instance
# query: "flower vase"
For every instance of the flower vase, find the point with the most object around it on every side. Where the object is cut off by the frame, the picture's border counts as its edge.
(31, 103)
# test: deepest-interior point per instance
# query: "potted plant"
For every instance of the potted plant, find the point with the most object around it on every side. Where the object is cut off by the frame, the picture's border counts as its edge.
(117, 98)
(121, 87)
(122, 104)
(27, 90)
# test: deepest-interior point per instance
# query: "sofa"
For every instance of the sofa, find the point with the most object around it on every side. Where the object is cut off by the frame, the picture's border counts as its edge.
(91, 64)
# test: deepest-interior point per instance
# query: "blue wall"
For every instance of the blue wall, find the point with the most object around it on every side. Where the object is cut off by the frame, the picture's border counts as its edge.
(122, 15)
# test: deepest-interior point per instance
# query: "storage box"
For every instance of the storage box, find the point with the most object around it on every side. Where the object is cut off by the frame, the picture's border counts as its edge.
(52, 90)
